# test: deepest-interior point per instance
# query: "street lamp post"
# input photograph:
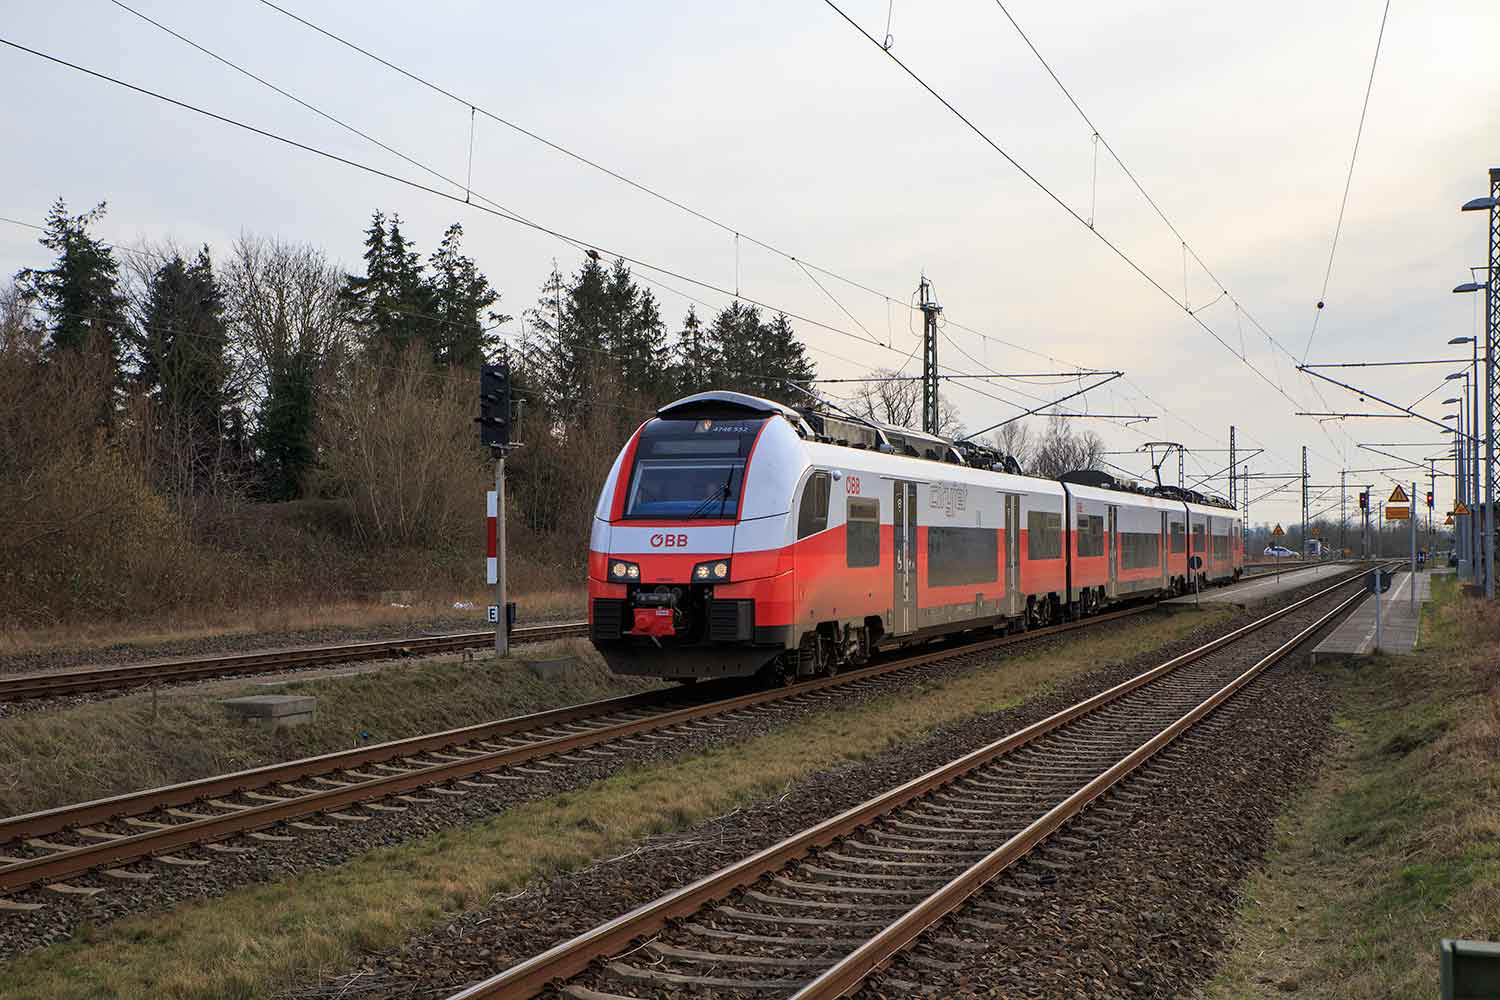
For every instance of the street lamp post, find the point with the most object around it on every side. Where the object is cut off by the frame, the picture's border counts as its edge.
(1490, 204)
(1472, 455)
(1467, 568)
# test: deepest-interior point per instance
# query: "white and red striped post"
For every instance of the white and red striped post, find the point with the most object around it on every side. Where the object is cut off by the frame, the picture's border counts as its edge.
(495, 562)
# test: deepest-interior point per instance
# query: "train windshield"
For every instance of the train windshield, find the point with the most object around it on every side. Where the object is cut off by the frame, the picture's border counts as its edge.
(690, 468)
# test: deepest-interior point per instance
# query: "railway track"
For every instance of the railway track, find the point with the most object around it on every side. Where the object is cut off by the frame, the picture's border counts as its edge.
(50, 684)
(814, 915)
(102, 837)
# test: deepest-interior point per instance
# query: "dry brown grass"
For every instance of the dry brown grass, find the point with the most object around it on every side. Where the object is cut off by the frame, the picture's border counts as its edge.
(258, 941)
(270, 621)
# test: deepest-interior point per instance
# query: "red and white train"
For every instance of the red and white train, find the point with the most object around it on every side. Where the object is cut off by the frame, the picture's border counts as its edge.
(735, 535)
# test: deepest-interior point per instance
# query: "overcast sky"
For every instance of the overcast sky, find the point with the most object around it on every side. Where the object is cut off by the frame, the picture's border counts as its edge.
(778, 119)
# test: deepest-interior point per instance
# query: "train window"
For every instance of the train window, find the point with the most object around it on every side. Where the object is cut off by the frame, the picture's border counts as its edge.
(812, 516)
(1090, 535)
(690, 488)
(1179, 538)
(962, 555)
(1220, 548)
(1043, 535)
(862, 533)
(1138, 550)
(1197, 538)
(690, 468)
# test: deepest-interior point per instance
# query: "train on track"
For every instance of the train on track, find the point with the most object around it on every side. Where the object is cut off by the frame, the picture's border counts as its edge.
(737, 536)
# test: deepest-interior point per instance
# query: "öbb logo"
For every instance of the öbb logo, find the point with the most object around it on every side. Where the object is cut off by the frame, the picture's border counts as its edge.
(660, 541)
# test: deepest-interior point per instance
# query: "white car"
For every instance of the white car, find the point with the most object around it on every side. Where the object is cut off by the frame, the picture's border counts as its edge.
(1280, 552)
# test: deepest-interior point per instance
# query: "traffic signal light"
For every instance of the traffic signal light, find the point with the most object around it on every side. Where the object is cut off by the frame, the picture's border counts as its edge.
(1429, 499)
(1364, 499)
(494, 406)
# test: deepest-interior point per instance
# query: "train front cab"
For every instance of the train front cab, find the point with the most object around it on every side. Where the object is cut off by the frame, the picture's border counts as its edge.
(690, 575)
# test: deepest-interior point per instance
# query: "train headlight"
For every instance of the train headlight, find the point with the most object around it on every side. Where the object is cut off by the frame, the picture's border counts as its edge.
(716, 571)
(619, 569)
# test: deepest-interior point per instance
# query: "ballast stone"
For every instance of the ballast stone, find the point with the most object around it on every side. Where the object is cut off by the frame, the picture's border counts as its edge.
(278, 711)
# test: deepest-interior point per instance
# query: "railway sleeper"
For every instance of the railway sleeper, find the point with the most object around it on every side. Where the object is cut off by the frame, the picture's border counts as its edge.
(630, 972)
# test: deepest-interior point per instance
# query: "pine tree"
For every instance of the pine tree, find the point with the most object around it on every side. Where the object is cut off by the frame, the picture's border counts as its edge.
(785, 359)
(736, 341)
(695, 360)
(651, 350)
(283, 433)
(391, 305)
(573, 326)
(80, 295)
(460, 295)
(181, 345)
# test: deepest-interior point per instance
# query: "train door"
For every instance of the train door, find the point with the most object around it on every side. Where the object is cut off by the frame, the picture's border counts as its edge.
(1013, 600)
(1114, 551)
(904, 544)
(1166, 542)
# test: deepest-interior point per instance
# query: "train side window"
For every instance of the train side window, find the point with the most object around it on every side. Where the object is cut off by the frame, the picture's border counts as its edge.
(1197, 538)
(1179, 538)
(813, 515)
(1090, 535)
(1138, 550)
(1043, 535)
(862, 533)
(958, 556)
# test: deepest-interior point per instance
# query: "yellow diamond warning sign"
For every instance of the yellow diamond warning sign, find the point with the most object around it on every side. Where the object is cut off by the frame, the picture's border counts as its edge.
(1278, 532)
(1398, 495)
(1448, 519)
(1460, 509)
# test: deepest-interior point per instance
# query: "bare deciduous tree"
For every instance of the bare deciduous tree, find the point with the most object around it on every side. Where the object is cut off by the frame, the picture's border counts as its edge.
(283, 303)
(1014, 439)
(400, 444)
(897, 400)
(1060, 450)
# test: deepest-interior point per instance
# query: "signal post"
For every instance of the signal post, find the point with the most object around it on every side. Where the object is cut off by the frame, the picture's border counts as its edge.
(494, 431)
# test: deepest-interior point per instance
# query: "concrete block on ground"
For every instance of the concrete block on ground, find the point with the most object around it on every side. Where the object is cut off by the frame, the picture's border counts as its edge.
(551, 670)
(278, 711)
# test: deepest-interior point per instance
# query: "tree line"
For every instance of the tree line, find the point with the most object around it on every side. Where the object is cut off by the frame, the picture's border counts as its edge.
(179, 388)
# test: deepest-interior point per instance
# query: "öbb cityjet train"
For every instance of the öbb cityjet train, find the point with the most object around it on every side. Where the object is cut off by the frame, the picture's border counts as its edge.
(735, 535)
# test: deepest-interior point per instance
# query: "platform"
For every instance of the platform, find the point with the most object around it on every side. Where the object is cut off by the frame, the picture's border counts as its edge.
(1355, 636)
(1261, 587)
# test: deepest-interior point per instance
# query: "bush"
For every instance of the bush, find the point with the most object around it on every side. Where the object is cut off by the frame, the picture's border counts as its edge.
(400, 443)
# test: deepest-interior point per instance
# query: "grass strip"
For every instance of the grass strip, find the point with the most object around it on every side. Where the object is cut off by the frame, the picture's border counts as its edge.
(96, 749)
(1397, 845)
(258, 940)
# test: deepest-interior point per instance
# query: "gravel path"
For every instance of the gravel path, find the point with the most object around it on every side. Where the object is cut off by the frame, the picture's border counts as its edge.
(484, 941)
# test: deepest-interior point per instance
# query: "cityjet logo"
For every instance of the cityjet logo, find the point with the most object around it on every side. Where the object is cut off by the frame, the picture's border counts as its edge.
(660, 541)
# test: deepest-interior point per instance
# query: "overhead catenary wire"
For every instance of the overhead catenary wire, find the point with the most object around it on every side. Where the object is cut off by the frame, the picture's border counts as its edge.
(509, 215)
(728, 228)
(1040, 185)
(418, 185)
(1186, 247)
(1348, 181)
